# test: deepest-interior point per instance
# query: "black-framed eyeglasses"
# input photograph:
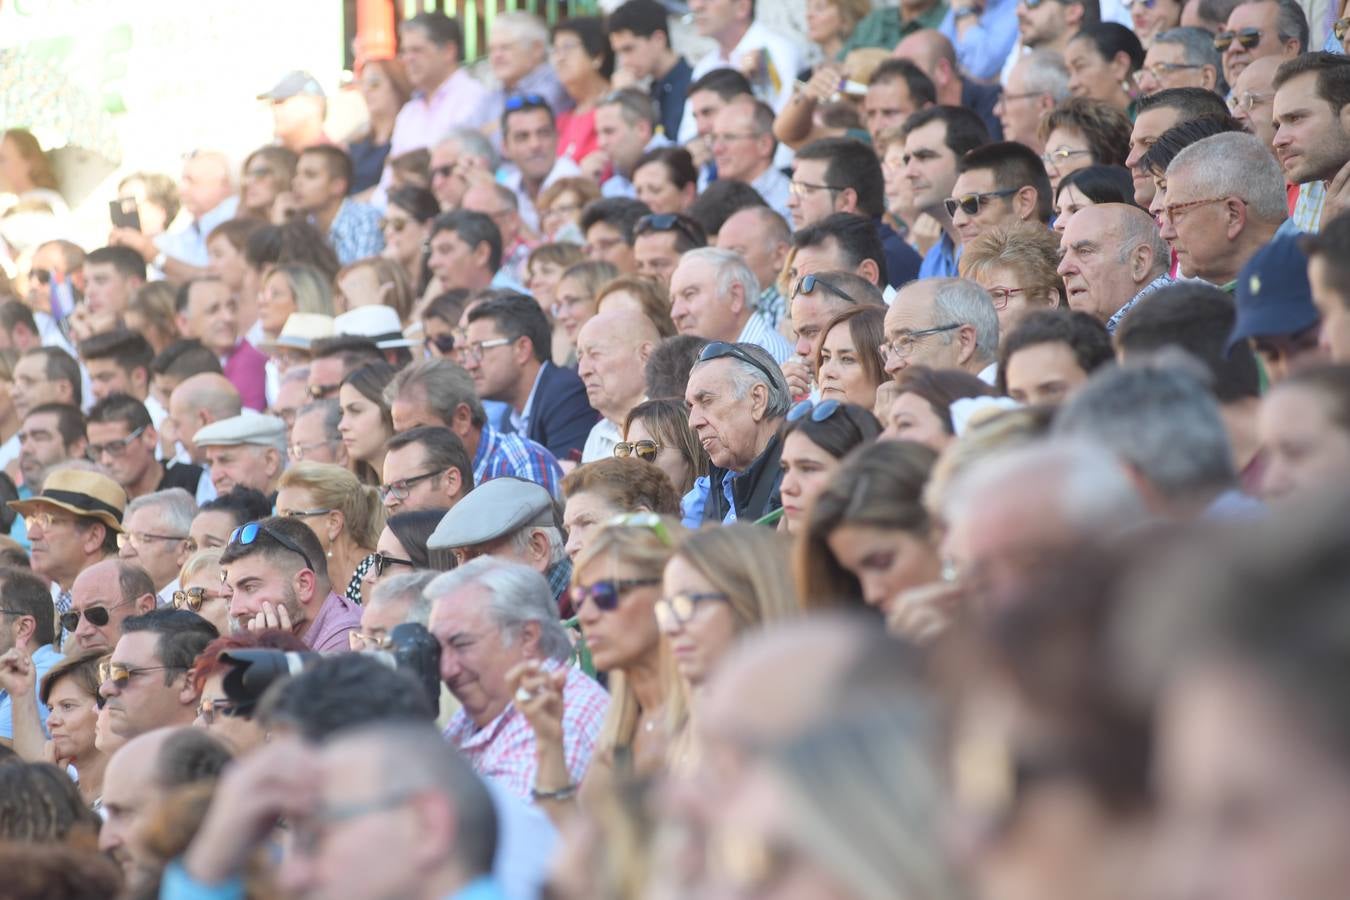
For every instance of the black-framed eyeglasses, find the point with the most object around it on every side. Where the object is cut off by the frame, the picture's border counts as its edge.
(818, 412)
(971, 203)
(644, 450)
(399, 489)
(904, 345)
(194, 598)
(1247, 39)
(98, 616)
(113, 448)
(807, 284)
(381, 561)
(722, 350)
(246, 535)
(606, 594)
(678, 609)
(657, 222)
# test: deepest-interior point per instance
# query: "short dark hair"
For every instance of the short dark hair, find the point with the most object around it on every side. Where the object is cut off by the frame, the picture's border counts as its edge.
(1198, 318)
(30, 596)
(725, 83)
(419, 202)
(857, 238)
(184, 295)
(295, 240)
(244, 503)
(1332, 246)
(294, 530)
(678, 163)
(851, 164)
(1101, 184)
(525, 103)
(127, 348)
(720, 201)
(182, 635)
(345, 691)
(668, 366)
(184, 358)
(335, 159)
(188, 756)
(689, 234)
(590, 30)
(1177, 138)
(1082, 333)
(1332, 72)
(13, 313)
(643, 18)
(61, 366)
(354, 350)
(127, 262)
(449, 306)
(517, 316)
(620, 213)
(439, 28)
(473, 228)
(121, 408)
(441, 447)
(1092, 10)
(1015, 166)
(69, 420)
(965, 129)
(1191, 102)
(921, 88)
(1111, 39)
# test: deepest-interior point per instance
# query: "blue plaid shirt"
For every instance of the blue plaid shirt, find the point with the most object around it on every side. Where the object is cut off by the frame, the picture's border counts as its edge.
(355, 232)
(511, 454)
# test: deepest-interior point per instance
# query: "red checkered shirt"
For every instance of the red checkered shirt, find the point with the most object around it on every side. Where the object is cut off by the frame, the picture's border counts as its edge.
(504, 749)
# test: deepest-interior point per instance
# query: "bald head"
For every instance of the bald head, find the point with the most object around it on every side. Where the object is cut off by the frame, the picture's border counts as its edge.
(1108, 253)
(200, 400)
(925, 48)
(612, 351)
(207, 182)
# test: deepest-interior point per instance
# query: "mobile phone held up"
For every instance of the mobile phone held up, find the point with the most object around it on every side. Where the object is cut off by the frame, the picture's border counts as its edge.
(124, 213)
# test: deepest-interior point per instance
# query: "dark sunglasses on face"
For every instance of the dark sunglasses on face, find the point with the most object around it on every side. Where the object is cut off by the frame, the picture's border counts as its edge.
(606, 594)
(970, 204)
(245, 535)
(194, 598)
(643, 450)
(1247, 39)
(382, 561)
(444, 344)
(95, 615)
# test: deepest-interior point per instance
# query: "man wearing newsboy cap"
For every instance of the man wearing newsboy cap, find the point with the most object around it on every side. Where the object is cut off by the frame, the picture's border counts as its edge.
(73, 522)
(511, 519)
(247, 450)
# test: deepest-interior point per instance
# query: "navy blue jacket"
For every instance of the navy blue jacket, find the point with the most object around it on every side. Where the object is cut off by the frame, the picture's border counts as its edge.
(561, 417)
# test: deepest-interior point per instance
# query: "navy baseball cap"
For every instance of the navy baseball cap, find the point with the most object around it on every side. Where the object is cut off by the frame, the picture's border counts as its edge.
(1272, 295)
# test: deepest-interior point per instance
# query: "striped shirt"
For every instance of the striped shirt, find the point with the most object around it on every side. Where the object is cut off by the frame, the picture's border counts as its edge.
(759, 330)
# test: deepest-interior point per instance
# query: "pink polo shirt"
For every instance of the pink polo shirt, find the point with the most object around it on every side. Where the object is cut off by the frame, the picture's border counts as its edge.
(328, 632)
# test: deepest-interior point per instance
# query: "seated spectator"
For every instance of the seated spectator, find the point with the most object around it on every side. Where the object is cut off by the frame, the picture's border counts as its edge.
(231, 722)
(1157, 113)
(1302, 428)
(645, 297)
(366, 424)
(660, 241)
(763, 239)
(713, 295)
(1112, 256)
(815, 299)
(344, 515)
(270, 589)
(939, 137)
(922, 408)
(1083, 132)
(583, 62)
(998, 185)
(407, 218)
(123, 439)
(155, 534)
(1016, 264)
(41, 806)
(397, 597)
(68, 693)
(626, 127)
(175, 364)
(103, 596)
(334, 358)
(815, 438)
(315, 436)
(1276, 314)
(612, 350)
(28, 648)
(111, 276)
(1036, 84)
(1326, 266)
(1050, 354)
(403, 546)
(847, 359)
(666, 180)
(598, 492)
(609, 226)
(244, 451)
(721, 200)
(323, 179)
(425, 468)
(1102, 59)
(839, 243)
(511, 607)
(218, 517)
(118, 362)
(201, 589)
(50, 434)
(562, 202)
(658, 432)
(667, 370)
(292, 393)
(208, 313)
(1093, 185)
(544, 270)
(945, 323)
(465, 250)
(577, 298)
(161, 640)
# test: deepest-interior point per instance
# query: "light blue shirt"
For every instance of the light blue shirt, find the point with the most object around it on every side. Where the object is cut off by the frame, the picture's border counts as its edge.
(985, 46)
(189, 244)
(940, 260)
(526, 839)
(693, 503)
(43, 660)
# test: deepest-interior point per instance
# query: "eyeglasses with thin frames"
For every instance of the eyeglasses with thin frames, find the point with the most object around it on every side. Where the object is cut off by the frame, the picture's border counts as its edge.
(904, 345)
(1170, 212)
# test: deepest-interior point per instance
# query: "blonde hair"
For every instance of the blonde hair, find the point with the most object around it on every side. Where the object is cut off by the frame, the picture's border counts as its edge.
(654, 301)
(198, 561)
(388, 274)
(311, 288)
(644, 549)
(154, 303)
(337, 488)
(1032, 251)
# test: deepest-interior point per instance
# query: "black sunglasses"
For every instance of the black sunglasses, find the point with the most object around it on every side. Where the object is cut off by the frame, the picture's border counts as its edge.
(1247, 38)
(444, 343)
(605, 594)
(643, 450)
(807, 284)
(383, 561)
(94, 615)
(722, 349)
(970, 203)
(245, 535)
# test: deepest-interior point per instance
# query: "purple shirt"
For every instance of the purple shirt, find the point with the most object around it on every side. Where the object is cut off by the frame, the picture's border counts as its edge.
(328, 632)
(425, 120)
(246, 368)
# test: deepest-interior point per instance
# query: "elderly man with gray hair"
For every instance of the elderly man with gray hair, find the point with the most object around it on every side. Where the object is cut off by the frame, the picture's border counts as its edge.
(1036, 84)
(943, 323)
(1182, 57)
(714, 295)
(737, 398)
(1225, 200)
(1111, 255)
(491, 616)
(155, 535)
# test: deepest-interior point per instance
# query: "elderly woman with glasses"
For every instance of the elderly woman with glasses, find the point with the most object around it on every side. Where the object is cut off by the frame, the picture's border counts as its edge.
(201, 589)
(226, 718)
(1017, 265)
(1082, 132)
(815, 438)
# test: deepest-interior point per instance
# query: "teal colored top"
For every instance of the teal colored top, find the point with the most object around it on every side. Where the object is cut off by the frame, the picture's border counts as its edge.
(884, 28)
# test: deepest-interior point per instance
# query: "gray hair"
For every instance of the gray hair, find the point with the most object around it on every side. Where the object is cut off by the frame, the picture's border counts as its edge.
(557, 546)
(745, 376)
(634, 105)
(519, 595)
(966, 303)
(526, 27)
(1091, 490)
(1291, 20)
(176, 506)
(1235, 165)
(1045, 73)
(1197, 47)
(731, 270)
(331, 410)
(474, 143)
(445, 386)
(410, 589)
(1158, 416)
(1137, 227)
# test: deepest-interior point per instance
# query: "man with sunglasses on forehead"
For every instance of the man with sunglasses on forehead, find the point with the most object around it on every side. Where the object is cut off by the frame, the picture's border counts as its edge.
(27, 639)
(660, 240)
(104, 596)
(1261, 28)
(277, 576)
